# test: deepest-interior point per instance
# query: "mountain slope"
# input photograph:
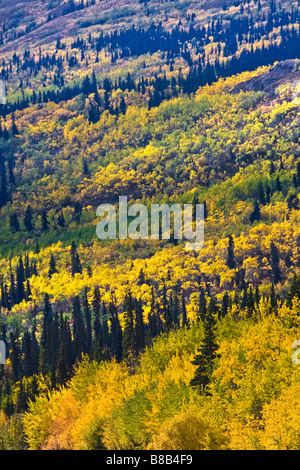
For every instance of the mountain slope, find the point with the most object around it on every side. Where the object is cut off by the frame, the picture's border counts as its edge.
(164, 102)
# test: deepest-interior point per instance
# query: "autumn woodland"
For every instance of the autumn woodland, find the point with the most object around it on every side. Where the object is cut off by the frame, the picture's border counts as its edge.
(140, 344)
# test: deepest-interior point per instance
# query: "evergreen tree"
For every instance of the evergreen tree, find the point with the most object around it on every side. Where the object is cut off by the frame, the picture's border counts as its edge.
(152, 318)
(78, 328)
(276, 274)
(88, 321)
(75, 261)
(230, 262)
(141, 278)
(96, 303)
(28, 219)
(14, 128)
(294, 290)
(166, 310)
(176, 307)
(139, 327)
(202, 304)
(116, 335)
(46, 352)
(62, 368)
(255, 215)
(61, 219)
(14, 222)
(52, 266)
(15, 354)
(250, 305)
(26, 353)
(3, 183)
(278, 186)
(45, 223)
(184, 320)
(20, 279)
(206, 355)
(225, 304)
(128, 331)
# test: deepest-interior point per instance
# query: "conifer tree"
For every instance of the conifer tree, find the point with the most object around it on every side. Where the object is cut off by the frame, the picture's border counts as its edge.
(28, 291)
(78, 328)
(62, 369)
(26, 353)
(206, 355)
(14, 222)
(45, 223)
(52, 266)
(75, 261)
(15, 356)
(20, 279)
(230, 253)
(152, 318)
(46, 336)
(166, 310)
(175, 313)
(61, 219)
(184, 320)
(202, 304)
(276, 274)
(27, 271)
(141, 278)
(88, 321)
(116, 335)
(28, 219)
(255, 215)
(96, 304)
(3, 183)
(225, 304)
(128, 330)
(12, 290)
(139, 327)
(250, 302)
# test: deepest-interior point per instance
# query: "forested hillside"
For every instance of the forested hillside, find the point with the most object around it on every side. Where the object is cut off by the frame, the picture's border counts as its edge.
(140, 344)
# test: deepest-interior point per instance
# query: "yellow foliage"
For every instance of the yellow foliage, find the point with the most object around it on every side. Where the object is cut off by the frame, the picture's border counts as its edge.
(188, 430)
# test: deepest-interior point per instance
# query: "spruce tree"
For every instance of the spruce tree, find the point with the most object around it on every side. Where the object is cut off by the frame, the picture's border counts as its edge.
(255, 215)
(62, 369)
(175, 312)
(230, 262)
(15, 356)
(52, 266)
(96, 304)
(61, 219)
(184, 320)
(46, 336)
(75, 261)
(276, 274)
(202, 304)
(78, 328)
(225, 305)
(152, 318)
(20, 279)
(88, 321)
(45, 223)
(26, 354)
(206, 355)
(3, 183)
(116, 335)
(139, 327)
(14, 222)
(128, 331)
(166, 310)
(28, 219)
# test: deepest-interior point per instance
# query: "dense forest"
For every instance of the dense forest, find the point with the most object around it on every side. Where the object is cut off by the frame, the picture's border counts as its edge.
(140, 344)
